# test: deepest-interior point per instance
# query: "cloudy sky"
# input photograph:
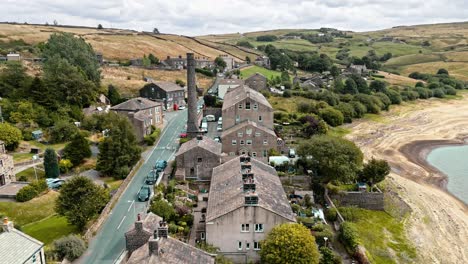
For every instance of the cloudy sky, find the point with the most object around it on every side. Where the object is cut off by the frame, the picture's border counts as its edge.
(196, 17)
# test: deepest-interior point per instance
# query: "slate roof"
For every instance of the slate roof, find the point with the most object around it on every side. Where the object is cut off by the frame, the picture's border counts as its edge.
(231, 82)
(235, 95)
(168, 86)
(255, 75)
(247, 123)
(17, 247)
(226, 193)
(135, 105)
(206, 143)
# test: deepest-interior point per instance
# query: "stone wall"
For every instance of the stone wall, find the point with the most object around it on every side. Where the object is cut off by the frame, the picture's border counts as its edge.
(216, 111)
(7, 168)
(371, 201)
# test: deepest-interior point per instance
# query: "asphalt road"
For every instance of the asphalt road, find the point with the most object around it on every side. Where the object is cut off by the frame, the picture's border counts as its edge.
(109, 243)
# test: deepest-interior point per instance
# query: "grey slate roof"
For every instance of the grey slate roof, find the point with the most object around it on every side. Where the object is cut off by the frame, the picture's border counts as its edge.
(135, 104)
(226, 194)
(206, 143)
(235, 95)
(168, 86)
(231, 82)
(247, 123)
(255, 75)
(17, 247)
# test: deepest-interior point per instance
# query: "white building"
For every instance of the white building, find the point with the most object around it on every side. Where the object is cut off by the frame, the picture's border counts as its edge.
(225, 84)
(13, 57)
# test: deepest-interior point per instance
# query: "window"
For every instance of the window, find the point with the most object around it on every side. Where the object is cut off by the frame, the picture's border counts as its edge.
(192, 171)
(248, 142)
(240, 134)
(256, 245)
(151, 111)
(237, 118)
(265, 142)
(247, 106)
(247, 246)
(202, 235)
(255, 107)
(243, 152)
(248, 131)
(239, 245)
(245, 228)
(240, 106)
(260, 119)
(258, 134)
(258, 228)
(232, 154)
(265, 153)
(254, 154)
(242, 142)
(234, 142)
(200, 160)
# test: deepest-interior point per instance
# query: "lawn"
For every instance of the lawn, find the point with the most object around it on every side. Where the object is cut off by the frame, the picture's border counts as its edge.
(338, 131)
(21, 157)
(31, 211)
(29, 173)
(49, 229)
(383, 236)
(112, 183)
(249, 71)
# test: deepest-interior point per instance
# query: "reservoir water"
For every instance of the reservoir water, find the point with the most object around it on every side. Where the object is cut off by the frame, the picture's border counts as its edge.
(453, 162)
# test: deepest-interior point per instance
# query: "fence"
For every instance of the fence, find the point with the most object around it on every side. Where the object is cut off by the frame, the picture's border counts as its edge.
(330, 202)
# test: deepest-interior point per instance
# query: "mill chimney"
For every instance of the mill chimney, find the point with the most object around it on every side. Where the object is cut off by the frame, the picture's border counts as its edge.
(192, 127)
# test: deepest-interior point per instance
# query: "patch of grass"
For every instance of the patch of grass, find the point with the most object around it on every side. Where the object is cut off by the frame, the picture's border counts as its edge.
(375, 117)
(458, 70)
(49, 229)
(112, 183)
(383, 236)
(338, 131)
(249, 71)
(21, 157)
(30, 211)
(29, 173)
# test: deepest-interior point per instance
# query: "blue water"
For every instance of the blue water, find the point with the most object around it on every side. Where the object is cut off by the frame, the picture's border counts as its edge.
(453, 161)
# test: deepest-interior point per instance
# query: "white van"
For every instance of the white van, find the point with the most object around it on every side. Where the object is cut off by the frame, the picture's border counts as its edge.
(220, 120)
(210, 118)
(204, 127)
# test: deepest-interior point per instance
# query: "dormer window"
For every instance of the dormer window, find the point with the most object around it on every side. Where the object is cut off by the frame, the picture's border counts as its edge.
(247, 106)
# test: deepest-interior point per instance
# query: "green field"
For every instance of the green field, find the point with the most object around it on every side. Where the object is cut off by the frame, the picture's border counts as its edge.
(49, 229)
(29, 173)
(249, 71)
(383, 236)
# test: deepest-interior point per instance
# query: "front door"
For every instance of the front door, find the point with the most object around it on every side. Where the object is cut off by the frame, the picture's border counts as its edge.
(2, 180)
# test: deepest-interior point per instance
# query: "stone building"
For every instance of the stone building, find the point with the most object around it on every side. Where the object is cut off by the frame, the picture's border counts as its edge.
(18, 248)
(225, 84)
(7, 173)
(204, 62)
(262, 61)
(149, 243)
(143, 114)
(170, 94)
(258, 82)
(249, 138)
(177, 63)
(245, 104)
(246, 200)
(230, 63)
(197, 158)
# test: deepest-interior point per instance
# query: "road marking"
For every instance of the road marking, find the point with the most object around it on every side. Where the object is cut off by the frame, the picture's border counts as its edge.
(130, 207)
(121, 222)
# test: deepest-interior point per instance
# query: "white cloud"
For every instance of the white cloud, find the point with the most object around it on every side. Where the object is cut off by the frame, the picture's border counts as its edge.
(225, 16)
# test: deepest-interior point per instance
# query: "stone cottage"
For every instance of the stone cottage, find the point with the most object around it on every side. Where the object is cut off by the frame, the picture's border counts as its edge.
(170, 94)
(7, 173)
(258, 82)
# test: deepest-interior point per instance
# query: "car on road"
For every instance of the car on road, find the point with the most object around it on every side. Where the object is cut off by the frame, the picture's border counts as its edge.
(210, 118)
(152, 177)
(161, 165)
(54, 183)
(220, 120)
(182, 107)
(145, 193)
(219, 128)
(217, 139)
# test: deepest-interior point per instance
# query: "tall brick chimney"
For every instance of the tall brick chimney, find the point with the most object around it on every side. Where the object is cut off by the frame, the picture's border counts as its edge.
(192, 126)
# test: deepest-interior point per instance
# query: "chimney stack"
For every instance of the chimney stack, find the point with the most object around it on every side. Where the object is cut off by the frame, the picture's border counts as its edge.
(192, 127)
(7, 225)
(153, 244)
(162, 230)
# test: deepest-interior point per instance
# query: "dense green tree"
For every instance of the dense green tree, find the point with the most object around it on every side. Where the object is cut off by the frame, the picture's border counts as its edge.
(335, 71)
(119, 151)
(10, 135)
(62, 131)
(99, 26)
(163, 209)
(153, 59)
(113, 95)
(219, 62)
(210, 100)
(13, 80)
(349, 235)
(361, 84)
(350, 87)
(70, 247)
(328, 256)
(385, 100)
(334, 158)
(80, 200)
(393, 95)
(377, 86)
(374, 171)
(244, 43)
(359, 109)
(347, 110)
(77, 150)
(443, 71)
(247, 60)
(369, 102)
(332, 116)
(313, 126)
(51, 166)
(76, 52)
(41, 94)
(289, 243)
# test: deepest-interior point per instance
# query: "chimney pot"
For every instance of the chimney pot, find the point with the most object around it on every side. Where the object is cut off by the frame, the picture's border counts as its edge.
(5, 220)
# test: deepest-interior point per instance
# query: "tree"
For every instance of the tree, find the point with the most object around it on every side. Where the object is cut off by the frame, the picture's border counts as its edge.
(70, 247)
(332, 116)
(163, 209)
(210, 100)
(334, 71)
(77, 150)
(335, 159)
(248, 60)
(80, 200)
(153, 59)
(361, 84)
(350, 87)
(13, 80)
(51, 166)
(375, 171)
(220, 62)
(155, 31)
(313, 126)
(10, 135)
(113, 95)
(99, 26)
(62, 131)
(119, 151)
(145, 61)
(289, 243)
(443, 71)
(41, 94)
(378, 86)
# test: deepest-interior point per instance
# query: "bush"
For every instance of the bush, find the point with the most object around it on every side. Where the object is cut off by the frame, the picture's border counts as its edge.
(62, 131)
(331, 214)
(439, 93)
(205, 72)
(65, 165)
(267, 38)
(26, 193)
(450, 91)
(70, 247)
(40, 186)
(328, 256)
(349, 236)
(332, 116)
(23, 178)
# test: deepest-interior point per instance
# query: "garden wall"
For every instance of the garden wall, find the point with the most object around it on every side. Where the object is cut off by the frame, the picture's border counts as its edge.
(366, 200)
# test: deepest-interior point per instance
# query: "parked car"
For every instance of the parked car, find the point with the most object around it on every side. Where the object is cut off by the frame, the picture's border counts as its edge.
(152, 177)
(217, 139)
(204, 127)
(220, 120)
(182, 107)
(292, 153)
(210, 118)
(219, 128)
(54, 183)
(145, 193)
(183, 135)
(160, 164)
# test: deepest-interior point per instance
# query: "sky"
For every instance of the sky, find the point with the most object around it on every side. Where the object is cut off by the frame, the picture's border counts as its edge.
(201, 17)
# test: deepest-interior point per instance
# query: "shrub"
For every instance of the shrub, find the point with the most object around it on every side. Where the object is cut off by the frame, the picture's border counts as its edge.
(332, 116)
(450, 91)
(70, 247)
(359, 109)
(205, 72)
(394, 96)
(26, 193)
(62, 131)
(23, 178)
(349, 236)
(439, 93)
(328, 256)
(40, 186)
(65, 165)
(331, 214)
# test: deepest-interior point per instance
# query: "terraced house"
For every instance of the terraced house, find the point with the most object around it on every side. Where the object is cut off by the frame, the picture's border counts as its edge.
(7, 174)
(169, 94)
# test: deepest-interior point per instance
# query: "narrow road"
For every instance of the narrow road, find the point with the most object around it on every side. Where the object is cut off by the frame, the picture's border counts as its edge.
(109, 243)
